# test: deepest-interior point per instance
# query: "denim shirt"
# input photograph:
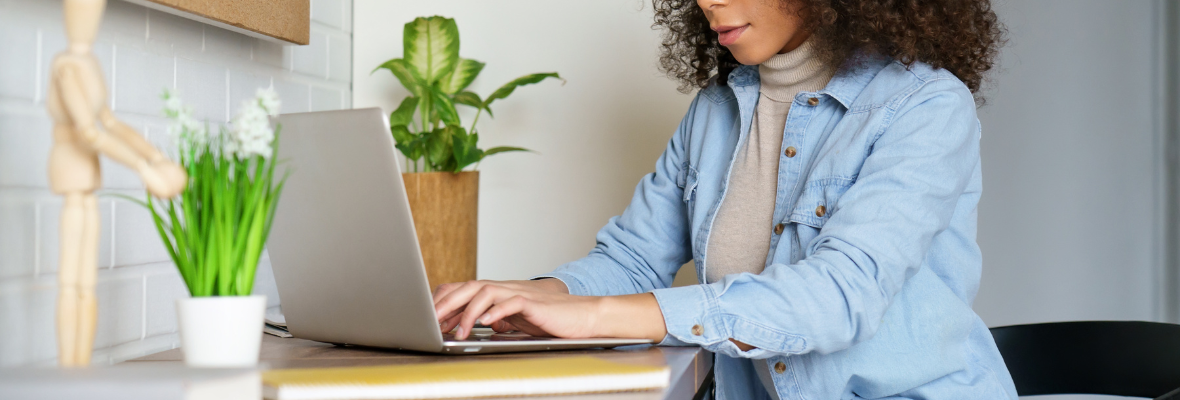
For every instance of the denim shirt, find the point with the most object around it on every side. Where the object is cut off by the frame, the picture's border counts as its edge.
(873, 265)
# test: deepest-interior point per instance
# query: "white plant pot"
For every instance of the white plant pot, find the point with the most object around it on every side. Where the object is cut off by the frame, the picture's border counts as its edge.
(221, 331)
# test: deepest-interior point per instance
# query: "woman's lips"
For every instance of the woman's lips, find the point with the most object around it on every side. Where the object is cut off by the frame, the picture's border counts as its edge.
(726, 35)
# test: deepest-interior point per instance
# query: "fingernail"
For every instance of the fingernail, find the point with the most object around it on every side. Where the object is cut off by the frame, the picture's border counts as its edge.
(484, 318)
(459, 332)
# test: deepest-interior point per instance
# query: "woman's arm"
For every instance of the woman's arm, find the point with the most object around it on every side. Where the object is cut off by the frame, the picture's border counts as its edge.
(544, 307)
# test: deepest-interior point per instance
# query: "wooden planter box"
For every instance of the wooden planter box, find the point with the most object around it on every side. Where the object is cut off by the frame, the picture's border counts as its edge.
(445, 207)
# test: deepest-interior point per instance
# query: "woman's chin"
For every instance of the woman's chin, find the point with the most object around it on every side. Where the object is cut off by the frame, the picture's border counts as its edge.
(746, 57)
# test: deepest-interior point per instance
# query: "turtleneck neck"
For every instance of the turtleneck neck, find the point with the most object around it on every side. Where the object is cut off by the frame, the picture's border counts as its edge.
(798, 70)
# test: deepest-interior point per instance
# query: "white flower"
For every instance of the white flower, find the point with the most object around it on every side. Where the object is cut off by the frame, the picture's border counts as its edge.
(250, 132)
(185, 130)
(172, 105)
(269, 100)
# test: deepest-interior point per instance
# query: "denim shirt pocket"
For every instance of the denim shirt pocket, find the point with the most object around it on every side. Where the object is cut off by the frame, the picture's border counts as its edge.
(817, 203)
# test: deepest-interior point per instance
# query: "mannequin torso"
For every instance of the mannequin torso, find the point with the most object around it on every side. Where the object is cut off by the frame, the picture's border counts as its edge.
(70, 151)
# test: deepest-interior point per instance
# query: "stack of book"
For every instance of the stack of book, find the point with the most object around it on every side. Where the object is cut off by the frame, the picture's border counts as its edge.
(275, 324)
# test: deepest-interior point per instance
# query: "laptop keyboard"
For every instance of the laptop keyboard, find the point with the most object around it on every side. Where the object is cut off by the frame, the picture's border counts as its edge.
(488, 335)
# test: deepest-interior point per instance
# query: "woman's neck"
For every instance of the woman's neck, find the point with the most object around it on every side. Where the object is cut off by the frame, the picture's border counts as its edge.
(798, 70)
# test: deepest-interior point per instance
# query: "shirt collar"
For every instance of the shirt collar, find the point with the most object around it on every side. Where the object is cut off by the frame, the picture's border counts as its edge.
(850, 79)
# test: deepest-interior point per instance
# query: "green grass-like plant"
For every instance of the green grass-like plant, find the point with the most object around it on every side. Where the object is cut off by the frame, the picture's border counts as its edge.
(215, 231)
(437, 78)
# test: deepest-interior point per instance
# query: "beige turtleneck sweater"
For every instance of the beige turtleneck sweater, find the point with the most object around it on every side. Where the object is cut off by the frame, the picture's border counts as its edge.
(742, 230)
(740, 238)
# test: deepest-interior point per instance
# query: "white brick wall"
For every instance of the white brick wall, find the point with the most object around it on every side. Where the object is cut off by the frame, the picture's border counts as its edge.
(142, 52)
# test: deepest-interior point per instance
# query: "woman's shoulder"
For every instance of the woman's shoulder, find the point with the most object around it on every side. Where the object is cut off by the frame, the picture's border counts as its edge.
(895, 85)
(877, 83)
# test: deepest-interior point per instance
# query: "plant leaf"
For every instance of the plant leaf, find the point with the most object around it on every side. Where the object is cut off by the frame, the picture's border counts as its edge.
(142, 203)
(438, 147)
(445, 108)
(402, 134)
(404, 114)
(426, 108)
(464, 73)
(413, 149)
(431, 47)
(468, 98)
(464, 147)
(507, 89)
(504, 149)
(409, 78)
(471, 99)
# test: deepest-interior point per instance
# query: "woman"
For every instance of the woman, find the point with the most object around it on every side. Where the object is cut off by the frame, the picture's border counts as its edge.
(824, 181)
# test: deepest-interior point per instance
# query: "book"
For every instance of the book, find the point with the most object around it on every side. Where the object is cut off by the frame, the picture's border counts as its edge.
(269, 329)
(274, 317)
(444, 380)
(139, 381)
(274, 323)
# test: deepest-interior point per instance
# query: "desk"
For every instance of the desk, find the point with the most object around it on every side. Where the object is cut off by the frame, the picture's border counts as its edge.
(689, 365)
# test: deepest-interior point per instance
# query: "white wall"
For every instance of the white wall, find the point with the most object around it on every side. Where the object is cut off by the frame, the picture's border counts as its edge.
(597, 134)
(1072, 156)
(142, 52)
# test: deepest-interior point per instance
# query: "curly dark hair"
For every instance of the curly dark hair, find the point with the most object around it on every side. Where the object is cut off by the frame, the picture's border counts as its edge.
(962, 36)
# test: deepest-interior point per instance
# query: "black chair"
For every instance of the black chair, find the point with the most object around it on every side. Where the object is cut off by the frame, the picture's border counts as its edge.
(1120, 358)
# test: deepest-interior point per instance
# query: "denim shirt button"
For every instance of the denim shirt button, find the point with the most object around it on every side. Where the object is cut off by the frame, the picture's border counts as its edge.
(812, 101)
(780, 367)
(697, 330)
(820, 211)
(778, 229)
(790, 153)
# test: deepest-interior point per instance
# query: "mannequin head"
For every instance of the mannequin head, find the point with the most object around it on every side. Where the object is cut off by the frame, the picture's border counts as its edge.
(82, 18)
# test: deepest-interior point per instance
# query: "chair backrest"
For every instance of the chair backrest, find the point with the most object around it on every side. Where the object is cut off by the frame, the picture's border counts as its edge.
(1120, 358)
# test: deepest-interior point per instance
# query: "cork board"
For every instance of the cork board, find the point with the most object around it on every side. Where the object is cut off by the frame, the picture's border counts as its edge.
(286, 21)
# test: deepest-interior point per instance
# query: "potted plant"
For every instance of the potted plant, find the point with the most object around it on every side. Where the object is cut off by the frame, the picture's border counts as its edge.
(444, 198)
(215, 231)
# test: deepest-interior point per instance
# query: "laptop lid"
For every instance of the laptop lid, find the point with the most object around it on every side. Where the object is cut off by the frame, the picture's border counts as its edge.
(345, 255)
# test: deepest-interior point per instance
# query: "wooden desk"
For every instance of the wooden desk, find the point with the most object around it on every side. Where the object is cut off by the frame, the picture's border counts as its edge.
(689, 365)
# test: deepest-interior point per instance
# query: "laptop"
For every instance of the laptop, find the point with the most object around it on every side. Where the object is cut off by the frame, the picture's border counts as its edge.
(343, 248)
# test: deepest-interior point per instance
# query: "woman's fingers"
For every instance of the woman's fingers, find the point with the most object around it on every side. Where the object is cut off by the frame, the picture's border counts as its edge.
(456, 299)
(444, 289)
(512, 306)
(454, 313)
(460, 305)
(486, 297)
(503, 326)
(448, 324)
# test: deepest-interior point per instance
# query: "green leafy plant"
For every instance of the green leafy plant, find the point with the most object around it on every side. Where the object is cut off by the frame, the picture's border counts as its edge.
(437, 78)
(215, 231)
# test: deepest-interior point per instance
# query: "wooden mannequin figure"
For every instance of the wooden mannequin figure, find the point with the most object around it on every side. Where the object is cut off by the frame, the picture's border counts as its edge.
(76, 100)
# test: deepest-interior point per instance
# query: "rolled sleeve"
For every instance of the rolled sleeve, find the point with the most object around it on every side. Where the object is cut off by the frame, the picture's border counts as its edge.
(690, 315)
(575, 286)
(694, 315)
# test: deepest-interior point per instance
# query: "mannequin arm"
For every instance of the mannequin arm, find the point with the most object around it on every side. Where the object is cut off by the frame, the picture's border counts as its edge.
(129, 136)
(83, 116)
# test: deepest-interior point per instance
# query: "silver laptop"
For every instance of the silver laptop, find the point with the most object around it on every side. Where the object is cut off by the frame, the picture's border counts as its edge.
(343, 248)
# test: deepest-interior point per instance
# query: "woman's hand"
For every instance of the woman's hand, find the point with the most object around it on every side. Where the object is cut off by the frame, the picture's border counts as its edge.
(465, 290)
(542, 308)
